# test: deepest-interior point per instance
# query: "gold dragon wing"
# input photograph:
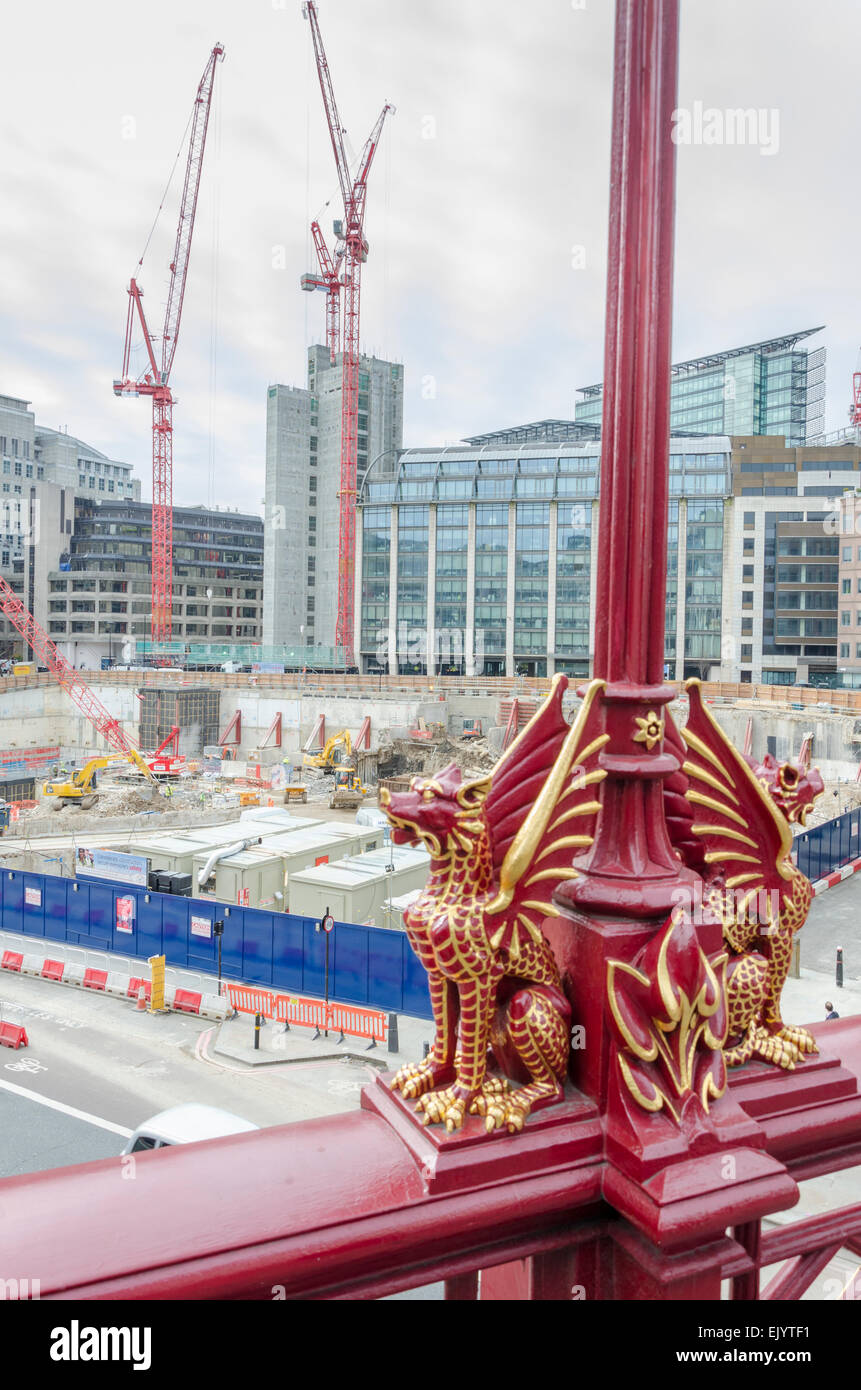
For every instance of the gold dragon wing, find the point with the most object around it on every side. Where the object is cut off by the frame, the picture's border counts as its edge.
(541, 810)
(746, 840)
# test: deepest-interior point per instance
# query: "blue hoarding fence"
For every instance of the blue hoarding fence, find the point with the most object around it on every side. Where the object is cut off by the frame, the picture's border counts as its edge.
(829, 846)
(367, 966)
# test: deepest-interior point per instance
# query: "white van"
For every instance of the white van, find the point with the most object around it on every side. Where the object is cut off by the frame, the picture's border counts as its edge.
(185, 1124)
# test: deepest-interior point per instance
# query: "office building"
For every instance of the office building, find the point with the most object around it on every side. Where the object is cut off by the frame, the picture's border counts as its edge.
(774, 387)
(303, 481)
(76, 545)
(484, 559)
(100, 596)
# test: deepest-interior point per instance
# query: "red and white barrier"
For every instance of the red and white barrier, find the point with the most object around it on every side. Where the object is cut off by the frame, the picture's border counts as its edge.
(117, 983)
(837, 876)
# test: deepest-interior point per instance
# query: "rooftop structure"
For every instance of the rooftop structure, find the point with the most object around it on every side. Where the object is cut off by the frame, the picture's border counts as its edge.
(770, 387)
(541, 432)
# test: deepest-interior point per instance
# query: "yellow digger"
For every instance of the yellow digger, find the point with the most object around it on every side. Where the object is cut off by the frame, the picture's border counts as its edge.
(340, 744)
(348, 790)
(80, 789)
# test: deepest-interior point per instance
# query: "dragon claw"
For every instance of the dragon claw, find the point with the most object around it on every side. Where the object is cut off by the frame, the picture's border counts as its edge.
(414, 1079)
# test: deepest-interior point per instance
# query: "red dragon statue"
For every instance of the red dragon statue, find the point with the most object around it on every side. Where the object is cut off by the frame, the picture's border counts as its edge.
(737, 836)
(499, 847)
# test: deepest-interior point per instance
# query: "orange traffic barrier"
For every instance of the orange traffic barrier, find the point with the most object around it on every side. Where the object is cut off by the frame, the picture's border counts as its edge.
(95, 979)
(294, 1010)
(11, 1035)
(305, 1013)
(53, 970)
(11, 960)
(359, 1023)
(247, 1000)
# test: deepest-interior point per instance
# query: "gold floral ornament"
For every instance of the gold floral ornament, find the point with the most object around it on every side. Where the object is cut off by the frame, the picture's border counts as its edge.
(651, 729)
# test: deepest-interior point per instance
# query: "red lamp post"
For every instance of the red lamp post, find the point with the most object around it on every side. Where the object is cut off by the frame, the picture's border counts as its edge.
(631, 869)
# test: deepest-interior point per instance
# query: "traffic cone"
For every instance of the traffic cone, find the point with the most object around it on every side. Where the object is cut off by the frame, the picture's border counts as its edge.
(141, 1004)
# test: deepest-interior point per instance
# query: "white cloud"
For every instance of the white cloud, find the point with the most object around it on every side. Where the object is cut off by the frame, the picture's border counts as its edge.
(470, 276)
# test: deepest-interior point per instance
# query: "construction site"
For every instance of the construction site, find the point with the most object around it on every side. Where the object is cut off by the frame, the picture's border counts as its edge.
(230, 787)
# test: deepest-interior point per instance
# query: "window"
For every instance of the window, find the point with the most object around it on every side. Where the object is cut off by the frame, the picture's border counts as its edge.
(847, 586)
(747, 627)
(845, 618)
(746, 651)
(749, 545)
(847, 553)
(749, 519)
(844, 649)
(747, 574)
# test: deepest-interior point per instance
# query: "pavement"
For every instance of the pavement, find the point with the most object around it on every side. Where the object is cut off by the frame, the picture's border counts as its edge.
(235, 1039)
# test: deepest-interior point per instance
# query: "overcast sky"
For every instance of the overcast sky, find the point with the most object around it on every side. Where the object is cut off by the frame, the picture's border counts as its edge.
(493, 170)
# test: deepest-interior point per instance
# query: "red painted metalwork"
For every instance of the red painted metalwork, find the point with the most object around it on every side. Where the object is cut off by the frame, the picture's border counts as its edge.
(233, 733)
(329, 281)
(351, 253)
(274, 732)
(363, 738)
(631, 867)
(317, 737)
(154, 380)
(855, 410)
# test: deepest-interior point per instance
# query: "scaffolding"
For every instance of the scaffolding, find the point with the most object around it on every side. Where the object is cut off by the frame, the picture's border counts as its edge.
(195, 711)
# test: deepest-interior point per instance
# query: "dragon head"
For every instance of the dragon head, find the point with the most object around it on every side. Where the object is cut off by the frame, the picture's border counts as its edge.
(443, 812)
(793, 789)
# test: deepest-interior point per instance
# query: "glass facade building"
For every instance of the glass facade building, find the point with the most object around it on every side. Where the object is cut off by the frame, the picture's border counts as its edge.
(484, 558)
(769, 388)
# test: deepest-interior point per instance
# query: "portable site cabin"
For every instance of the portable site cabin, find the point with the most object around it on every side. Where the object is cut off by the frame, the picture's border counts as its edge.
(172, 854)
(358, 890)
(252, 878)
(276, 819)
(285, 854)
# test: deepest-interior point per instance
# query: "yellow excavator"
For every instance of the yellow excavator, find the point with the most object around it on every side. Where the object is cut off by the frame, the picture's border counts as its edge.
(348, 790)
(80, 789)
(340, 744)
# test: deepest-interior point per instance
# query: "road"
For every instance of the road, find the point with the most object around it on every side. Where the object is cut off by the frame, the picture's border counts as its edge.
(834, 920)
(97, 1055)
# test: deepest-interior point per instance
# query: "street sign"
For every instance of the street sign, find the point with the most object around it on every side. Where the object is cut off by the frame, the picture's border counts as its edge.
(328, 923)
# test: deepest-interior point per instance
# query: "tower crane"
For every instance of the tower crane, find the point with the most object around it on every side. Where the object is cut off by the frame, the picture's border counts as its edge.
(351, 253)
(328, 280)
(155, 378)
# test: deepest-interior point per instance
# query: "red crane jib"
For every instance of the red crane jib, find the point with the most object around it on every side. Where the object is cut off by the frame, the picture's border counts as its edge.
(154, 381)
(354, 193)
(71, 680)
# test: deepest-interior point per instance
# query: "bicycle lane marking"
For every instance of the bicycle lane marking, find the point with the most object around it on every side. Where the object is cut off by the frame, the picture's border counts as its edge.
(67, 1109)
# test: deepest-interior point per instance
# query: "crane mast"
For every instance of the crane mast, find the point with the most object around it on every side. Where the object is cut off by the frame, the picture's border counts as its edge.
(350, 232)
(155, 380)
